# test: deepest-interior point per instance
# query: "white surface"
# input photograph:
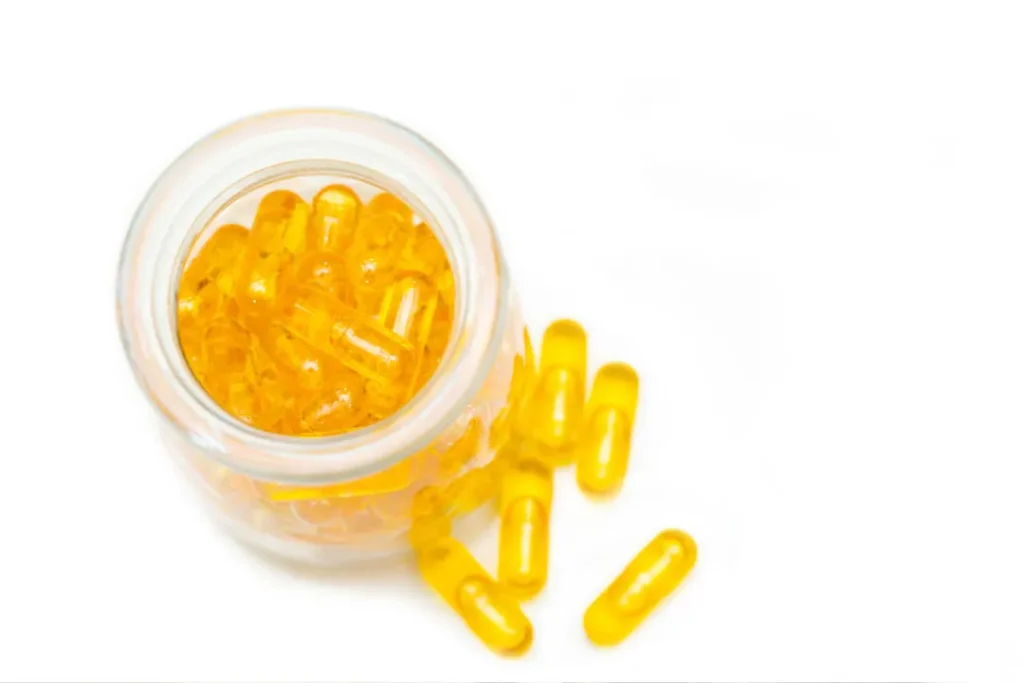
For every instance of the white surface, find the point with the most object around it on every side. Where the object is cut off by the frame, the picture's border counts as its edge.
(803, 225)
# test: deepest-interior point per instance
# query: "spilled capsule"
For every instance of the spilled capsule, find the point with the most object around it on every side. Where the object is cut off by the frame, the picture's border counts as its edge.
(494, 616)
(554, 416)
(648, 578)
(524, 533)
(604, 445)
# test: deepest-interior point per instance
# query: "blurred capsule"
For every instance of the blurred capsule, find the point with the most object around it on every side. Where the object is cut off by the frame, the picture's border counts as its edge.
(648, 578)
(335, 214)
(524, 533)
(604, 446)
(495, 617)
(554, 415)
(278, 235)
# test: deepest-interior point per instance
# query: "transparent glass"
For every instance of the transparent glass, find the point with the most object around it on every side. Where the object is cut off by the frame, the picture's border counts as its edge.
(329, 500)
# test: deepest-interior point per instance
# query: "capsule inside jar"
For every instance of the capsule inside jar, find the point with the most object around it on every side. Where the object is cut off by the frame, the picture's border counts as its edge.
(323, 314)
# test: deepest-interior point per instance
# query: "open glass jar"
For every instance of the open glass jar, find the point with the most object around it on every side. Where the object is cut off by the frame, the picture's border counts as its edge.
(329, 500)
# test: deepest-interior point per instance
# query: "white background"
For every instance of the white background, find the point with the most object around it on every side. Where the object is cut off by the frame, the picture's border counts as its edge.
(803, 225)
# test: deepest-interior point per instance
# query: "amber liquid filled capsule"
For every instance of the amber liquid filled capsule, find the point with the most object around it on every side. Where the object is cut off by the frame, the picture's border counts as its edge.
(493, 615)
(604, 446)
(524, 534)
(335, 214)
(278, 234)
(555, 412)
(648, 578)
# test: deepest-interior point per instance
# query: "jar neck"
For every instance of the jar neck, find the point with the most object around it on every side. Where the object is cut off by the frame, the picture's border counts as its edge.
(267, 149)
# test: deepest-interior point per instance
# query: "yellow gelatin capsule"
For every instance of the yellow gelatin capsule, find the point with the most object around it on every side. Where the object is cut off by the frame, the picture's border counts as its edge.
(408, 310)
(337, 408)
(647, 580)
(604, 448)
(358, 341)
(493, 615)
(334, 219)
(278, 235)
(524, 533)
(422, 253)
(211, 276)
(325, 270)
(555, 413)
(385, 226)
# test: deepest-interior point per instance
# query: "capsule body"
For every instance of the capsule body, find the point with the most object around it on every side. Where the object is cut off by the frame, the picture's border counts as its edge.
(325, 270)
(422, 253)
(210, 279)
(555, 413)
(524, 534)
(608, 425)
(493, 615)
(385, 225)
(358, 341)
(337, 407)
(647, 580)
(278, 234)
(333, 220)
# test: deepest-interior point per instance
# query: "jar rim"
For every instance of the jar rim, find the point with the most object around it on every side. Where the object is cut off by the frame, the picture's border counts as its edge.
(172, 213)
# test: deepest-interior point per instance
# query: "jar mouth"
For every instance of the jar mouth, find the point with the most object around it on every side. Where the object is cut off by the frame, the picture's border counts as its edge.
(266, 148)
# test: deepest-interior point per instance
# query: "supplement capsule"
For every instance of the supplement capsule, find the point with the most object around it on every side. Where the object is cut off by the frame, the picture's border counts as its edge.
(524, 532)
(604, 446)
(408, 310)
(335, 214)
(358, 341)
(647, 580)
(423, 253)
(325, 271)
(385, 225)
(211, 276)
(278, 234)
(555, 413)
(336, 408)
(495, 617)
(307, 365)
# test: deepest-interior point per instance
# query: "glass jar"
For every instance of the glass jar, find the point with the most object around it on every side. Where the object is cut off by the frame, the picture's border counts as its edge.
(329, 500)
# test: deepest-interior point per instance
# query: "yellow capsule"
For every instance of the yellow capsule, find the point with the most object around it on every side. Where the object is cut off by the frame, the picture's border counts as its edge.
(408, 310)
(385, 225)
(308, 365)
(278, 235)
(211, 276)
(495, 617)
(423, 253)
(524, 532)
(337, 408)
(604, 446)
(325, 270)
(358, 341)
(335, 214)
(555, 413)
(647, 580)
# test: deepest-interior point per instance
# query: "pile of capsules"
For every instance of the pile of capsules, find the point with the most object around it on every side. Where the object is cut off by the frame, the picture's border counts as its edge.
(557, 426)
(327, 316)
(323, 318)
